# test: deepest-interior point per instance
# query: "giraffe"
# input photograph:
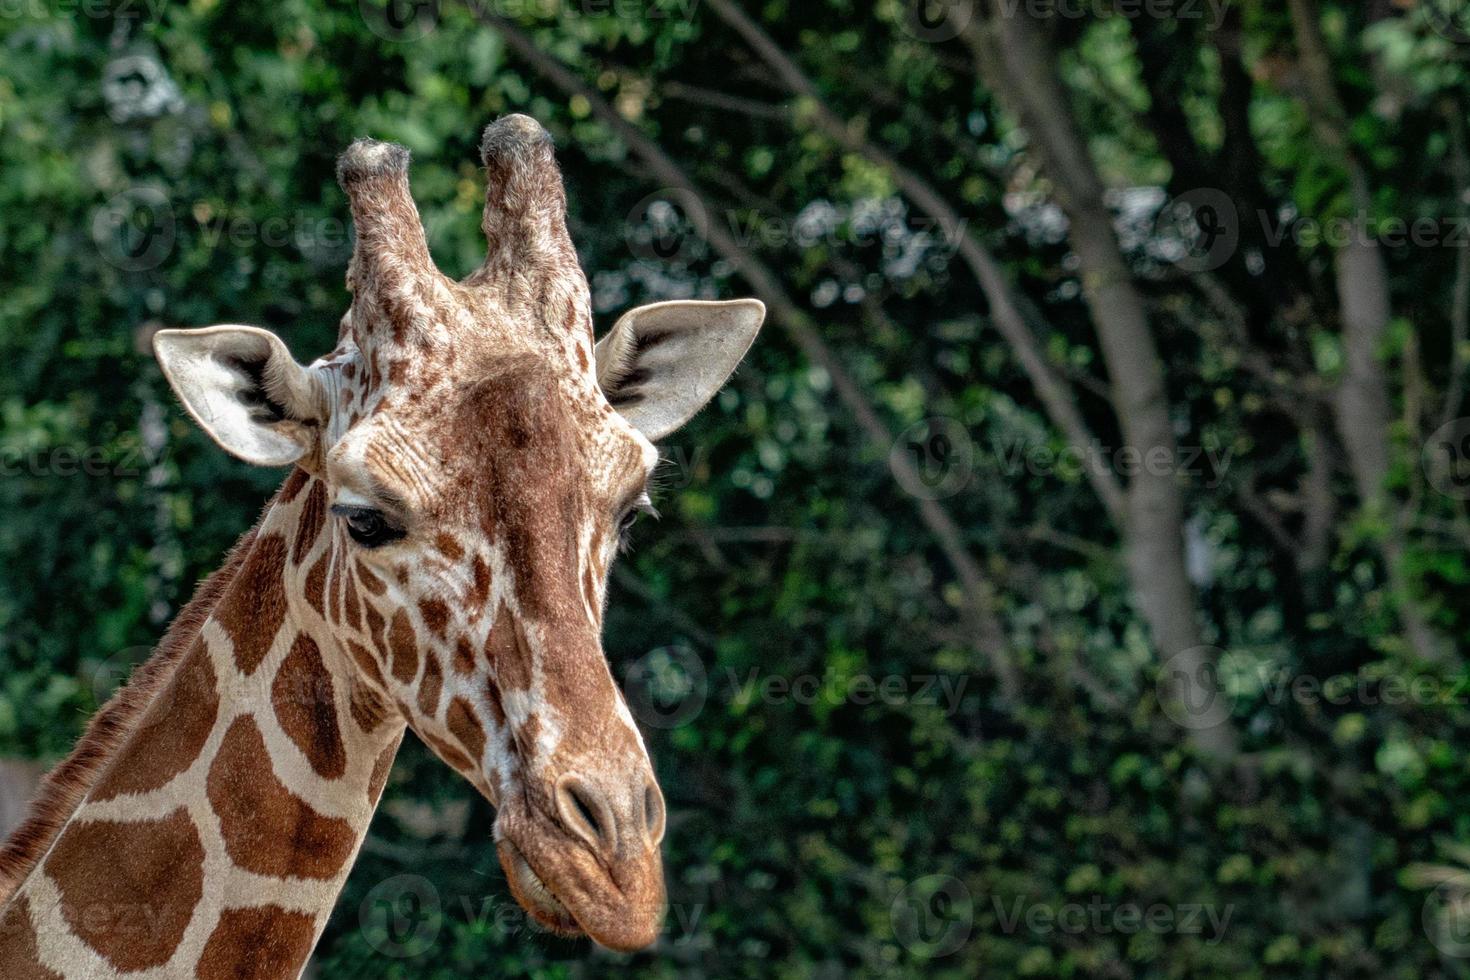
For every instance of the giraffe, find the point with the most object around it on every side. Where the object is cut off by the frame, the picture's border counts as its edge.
(464, 465)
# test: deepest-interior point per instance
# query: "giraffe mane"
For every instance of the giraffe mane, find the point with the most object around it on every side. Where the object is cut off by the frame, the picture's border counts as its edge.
(66, 786)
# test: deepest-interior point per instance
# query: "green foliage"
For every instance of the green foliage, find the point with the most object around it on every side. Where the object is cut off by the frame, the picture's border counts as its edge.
(802, 829)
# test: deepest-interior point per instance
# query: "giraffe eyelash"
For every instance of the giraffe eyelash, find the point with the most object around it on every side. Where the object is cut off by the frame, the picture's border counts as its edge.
(641, 505)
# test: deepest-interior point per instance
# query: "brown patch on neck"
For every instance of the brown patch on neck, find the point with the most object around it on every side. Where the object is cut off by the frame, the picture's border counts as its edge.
(298, 479)
(366, 701)
(436, 616)
(316, 580)
(369, 581)
(133, 907)
(64, 789)
(306, 707)
(168, 739)
(253, 625)
(448, 753)
(257, 944)
(313, 518)
(368, 709)
(375, 625)
(354, 612)
(267, 828)
(465, 727)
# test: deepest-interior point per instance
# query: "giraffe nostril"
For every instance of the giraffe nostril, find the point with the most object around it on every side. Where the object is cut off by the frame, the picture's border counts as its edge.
(583, 812)
(653, 812)
(610, 823)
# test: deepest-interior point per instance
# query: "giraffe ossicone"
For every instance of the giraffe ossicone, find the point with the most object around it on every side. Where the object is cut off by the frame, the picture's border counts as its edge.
(464, 464)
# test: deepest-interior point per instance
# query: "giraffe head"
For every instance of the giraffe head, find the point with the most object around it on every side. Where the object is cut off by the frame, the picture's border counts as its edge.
(474, 460)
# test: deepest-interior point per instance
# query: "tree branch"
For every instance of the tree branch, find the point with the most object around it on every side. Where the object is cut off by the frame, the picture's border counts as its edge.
(1006, 309)
(722, 100)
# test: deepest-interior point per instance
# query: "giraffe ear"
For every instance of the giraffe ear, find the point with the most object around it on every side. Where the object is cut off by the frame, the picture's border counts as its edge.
(661, 363)
(243, 388)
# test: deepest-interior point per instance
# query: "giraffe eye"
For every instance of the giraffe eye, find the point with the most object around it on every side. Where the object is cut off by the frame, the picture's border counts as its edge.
(367, 526)
(641, 505)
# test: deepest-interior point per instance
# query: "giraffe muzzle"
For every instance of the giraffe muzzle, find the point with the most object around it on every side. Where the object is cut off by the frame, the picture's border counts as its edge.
(582, 862)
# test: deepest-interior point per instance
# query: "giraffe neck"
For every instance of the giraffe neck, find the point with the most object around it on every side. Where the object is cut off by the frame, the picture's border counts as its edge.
(220, 832)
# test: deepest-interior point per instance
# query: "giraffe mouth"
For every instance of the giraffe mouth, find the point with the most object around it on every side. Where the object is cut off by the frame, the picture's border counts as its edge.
(567, 889)
(535, 896)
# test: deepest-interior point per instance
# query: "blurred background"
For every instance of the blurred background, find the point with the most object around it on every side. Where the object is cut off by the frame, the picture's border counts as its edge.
(1071, 582)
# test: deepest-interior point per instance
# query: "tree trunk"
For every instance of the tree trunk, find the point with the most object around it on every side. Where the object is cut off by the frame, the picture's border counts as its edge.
(1014, 57)
(1363, 408)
